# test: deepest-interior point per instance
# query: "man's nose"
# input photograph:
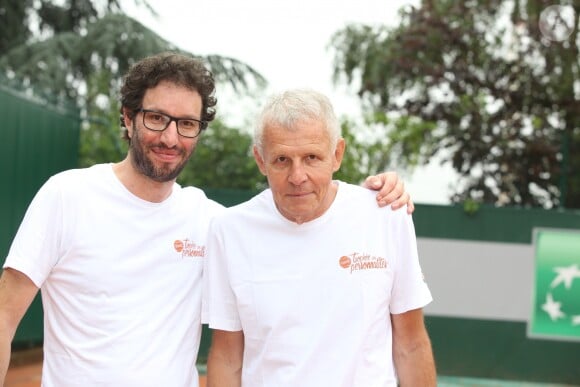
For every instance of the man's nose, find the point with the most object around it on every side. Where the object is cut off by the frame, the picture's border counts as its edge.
(170, 135)
(297, 174)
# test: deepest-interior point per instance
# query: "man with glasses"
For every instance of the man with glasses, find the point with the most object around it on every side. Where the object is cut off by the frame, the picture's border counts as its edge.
(118, 248)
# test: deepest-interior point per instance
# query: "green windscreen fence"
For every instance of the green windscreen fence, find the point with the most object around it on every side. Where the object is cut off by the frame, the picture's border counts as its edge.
(37, 140)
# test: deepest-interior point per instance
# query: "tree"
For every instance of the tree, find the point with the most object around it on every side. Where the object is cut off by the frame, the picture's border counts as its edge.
(59, 65)
(223, 159)
(363, 155)
(14, 33)
(476, 83)
(78, 51)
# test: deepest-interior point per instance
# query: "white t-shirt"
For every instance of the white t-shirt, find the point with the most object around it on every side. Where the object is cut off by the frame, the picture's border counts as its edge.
(313, 300)
(120, 280)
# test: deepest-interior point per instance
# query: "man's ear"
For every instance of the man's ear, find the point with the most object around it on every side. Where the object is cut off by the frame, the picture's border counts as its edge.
(128, 121)
(338, 154)
(259, 160)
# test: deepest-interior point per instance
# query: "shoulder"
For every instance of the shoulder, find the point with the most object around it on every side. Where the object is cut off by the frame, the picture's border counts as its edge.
(72, 180)
(78, 175)
(362, 201)
(358, 197)
(70, 188)
(349, 189)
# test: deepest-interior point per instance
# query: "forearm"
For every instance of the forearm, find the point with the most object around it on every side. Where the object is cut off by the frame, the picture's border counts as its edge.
(6, 335)
(221, 373)
(224, 363)
(415, 365)
(16, 293)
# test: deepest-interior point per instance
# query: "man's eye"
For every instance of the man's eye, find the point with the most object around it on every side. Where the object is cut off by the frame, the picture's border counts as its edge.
(156, 117)
(187, 124)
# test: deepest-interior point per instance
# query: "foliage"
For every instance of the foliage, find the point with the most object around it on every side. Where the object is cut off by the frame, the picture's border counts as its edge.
(78, 50)
(363, 155)
(13, 34)
(101, 136)
(223, 159)
(59, 65)
(476, 83)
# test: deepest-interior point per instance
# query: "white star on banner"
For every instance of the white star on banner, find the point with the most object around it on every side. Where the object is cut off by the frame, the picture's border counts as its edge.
(566, 275)
(552, 308)
(576, 320)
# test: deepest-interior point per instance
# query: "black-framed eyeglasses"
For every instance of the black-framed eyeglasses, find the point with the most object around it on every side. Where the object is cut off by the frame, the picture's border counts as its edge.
(186, 127)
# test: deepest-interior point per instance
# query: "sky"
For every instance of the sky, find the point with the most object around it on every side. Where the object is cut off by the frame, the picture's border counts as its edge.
(287, 42)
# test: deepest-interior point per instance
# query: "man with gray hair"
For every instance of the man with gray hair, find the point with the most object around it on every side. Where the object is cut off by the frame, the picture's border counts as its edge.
(309, 283)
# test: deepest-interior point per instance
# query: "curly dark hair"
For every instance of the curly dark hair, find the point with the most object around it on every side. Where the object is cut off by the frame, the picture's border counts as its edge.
(167, 66)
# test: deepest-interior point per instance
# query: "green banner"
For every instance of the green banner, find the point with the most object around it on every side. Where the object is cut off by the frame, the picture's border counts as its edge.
(556, 303)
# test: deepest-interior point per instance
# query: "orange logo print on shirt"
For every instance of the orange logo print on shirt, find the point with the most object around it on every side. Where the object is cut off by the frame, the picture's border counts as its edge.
(178, 245)
(344, 261)
(358, 261)
(188, 248)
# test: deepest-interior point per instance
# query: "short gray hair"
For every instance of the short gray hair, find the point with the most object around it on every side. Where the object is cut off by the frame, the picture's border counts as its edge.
(291, 107)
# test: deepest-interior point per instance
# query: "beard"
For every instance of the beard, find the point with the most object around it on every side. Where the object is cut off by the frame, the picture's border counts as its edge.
(145, 166)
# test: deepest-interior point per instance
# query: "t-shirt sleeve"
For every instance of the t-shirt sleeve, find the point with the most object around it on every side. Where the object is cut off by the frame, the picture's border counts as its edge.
(35, 248)
(410, 291)
(219, 306)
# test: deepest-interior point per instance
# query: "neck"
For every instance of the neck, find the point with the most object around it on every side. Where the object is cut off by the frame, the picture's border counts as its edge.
(140, 185)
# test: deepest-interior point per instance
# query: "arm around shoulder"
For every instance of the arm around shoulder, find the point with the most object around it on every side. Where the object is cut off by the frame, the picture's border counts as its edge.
(412, 351)
(16, 294)
(224, 363)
